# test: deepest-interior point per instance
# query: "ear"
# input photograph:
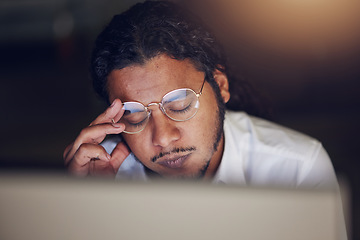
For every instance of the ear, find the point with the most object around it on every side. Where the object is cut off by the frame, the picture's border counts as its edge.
(223, 83)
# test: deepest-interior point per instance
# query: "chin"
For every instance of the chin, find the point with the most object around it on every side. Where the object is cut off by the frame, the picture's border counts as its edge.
(184, 176)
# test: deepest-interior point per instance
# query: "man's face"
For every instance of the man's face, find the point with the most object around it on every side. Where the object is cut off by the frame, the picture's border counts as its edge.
(170, 148)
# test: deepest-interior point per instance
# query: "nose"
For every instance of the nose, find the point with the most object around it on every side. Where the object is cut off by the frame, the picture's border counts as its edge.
(164, 130)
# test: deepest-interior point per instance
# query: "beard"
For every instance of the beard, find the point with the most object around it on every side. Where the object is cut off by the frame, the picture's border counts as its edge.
(219, 132)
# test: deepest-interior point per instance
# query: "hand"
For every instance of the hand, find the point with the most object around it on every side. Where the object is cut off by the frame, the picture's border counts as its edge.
(86, 157)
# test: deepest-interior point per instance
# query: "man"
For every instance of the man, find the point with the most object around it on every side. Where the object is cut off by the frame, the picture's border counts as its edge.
(165, 79)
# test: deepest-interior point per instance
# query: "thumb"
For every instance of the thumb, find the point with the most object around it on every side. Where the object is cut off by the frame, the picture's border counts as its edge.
(118, 155)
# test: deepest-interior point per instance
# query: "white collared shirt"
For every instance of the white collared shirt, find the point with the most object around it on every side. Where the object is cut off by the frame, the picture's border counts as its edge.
(261, 153)
(258, 153)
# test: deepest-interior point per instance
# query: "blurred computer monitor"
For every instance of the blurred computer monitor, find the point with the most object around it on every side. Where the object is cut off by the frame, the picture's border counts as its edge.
(59, 207)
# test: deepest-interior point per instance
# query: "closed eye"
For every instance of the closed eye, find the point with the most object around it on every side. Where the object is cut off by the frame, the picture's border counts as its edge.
(183, 110)
(138, 124)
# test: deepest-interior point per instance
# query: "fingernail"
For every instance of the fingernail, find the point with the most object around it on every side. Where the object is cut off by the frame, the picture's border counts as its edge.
(117, 125)
(113, 103)
(108, 156)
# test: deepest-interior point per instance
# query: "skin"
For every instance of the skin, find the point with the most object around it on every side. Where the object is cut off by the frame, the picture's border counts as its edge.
(148, 83)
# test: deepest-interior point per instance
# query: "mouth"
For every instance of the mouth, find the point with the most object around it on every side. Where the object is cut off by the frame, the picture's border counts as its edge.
(175, 162)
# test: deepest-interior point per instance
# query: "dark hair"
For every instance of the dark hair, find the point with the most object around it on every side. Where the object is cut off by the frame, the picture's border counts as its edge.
(147, 30)
(152, 28)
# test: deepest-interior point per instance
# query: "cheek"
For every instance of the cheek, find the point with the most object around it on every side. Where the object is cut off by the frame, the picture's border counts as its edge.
(200, 129)
(205, 128)
(208, 109)
(141, 144)
(135, 143)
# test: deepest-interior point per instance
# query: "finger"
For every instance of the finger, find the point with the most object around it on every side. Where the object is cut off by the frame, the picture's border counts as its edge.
(67, 151)
(118, 116)
(115, 112)
(95, 135)
(87, 152)
(119, 154)
(101, 169)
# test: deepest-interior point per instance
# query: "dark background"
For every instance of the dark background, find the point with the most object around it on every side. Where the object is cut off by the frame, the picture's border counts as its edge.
(301, 56)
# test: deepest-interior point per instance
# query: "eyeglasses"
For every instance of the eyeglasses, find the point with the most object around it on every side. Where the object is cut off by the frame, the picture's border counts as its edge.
(179, 105)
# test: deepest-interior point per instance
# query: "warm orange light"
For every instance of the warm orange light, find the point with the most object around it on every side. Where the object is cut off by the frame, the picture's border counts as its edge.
(316, 27)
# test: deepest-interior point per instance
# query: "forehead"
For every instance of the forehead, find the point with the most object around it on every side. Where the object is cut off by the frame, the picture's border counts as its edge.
(149, 82)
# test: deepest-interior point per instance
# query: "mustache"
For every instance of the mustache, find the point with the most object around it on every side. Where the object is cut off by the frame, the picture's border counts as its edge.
(175, 150)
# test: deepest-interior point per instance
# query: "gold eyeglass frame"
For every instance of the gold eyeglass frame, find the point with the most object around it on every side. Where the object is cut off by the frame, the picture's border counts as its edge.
(162, 108)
